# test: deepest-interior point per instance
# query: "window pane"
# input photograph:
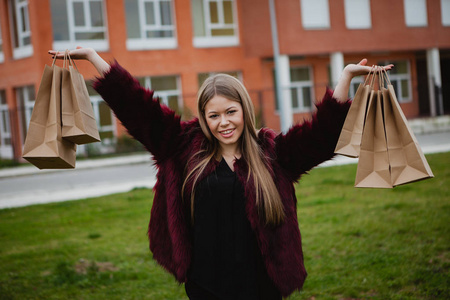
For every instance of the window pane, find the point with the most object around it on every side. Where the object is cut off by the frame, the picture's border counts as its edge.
(90, 89)
(78, 12)
(59, 20)
(222, 32)
(166, 13)
(105, 114)
(31, 93)
(142, 81)
(2, 97)
(306, 97)
(149, 13)
(159, 33)
(132, 14)
(294, 97)
(173, 103)
(96, 14)
(164, 83)
(106, 135)
(315, 14)
(201, 78)
(89, 35)
(415, 13)
(401, 67)
(228, 12)
(213, 13)
(357, 14)
(405, 89)
(24, 17)
(198, 18)
(299, 74)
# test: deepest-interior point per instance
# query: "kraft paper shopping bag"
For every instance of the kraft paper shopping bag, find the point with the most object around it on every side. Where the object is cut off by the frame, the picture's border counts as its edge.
(406, 158)
(44, 146)
(350, 138)
(373, 169)
(79, 125)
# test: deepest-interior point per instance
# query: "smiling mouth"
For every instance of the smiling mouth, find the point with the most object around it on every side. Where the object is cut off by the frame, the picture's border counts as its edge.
(227, 131)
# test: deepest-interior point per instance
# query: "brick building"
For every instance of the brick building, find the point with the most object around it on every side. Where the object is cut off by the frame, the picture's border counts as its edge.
(172, 45)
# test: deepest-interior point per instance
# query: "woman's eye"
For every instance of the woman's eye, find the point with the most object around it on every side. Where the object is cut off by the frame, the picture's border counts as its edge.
(231, 112)
(213, 116)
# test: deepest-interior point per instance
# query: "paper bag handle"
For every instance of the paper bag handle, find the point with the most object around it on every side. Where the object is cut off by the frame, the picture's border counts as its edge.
(69, 60)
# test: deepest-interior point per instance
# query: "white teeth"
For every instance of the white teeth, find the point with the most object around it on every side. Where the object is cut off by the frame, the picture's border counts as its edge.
(226, 131)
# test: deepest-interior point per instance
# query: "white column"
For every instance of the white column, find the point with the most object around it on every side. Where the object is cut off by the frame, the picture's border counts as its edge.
(434, 82)
(336, 66)
(285, 103)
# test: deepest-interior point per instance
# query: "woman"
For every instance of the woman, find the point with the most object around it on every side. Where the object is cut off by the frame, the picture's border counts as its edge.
(224, 218)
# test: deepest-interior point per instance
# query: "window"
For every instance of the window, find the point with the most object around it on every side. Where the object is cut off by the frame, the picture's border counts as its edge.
(25, 104)
(357, 14)
(103, 115)
(315, 14)
(5, 129)
(166, 88)
(301, 87)
(445, 12)
(203, 76)
(150, 24)
(416, 13)
(215, 23)
(400, 77)
(78, 22)
(20, 29)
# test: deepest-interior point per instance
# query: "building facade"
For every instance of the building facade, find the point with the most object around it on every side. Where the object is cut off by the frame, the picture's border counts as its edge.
(171, 46)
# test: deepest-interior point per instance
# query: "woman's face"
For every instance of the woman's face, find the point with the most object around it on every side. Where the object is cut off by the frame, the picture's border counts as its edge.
(225, 119)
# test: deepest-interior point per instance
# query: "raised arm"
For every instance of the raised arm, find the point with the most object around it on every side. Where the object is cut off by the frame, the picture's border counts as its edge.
(309, 144)
(154, 125)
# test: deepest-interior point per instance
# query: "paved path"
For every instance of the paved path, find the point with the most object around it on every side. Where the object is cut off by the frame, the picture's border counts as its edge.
(27, 185)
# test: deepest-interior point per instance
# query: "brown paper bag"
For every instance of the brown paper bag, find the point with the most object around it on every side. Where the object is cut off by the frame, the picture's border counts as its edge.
(373, 166)
(350, 138)
(407, 160)
(44, 146)
(79, 125)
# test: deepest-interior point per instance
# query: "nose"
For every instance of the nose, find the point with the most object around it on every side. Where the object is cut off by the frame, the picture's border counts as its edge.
(224, 121)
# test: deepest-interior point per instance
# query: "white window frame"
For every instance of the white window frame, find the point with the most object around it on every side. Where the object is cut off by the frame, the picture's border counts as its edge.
(6, 150)
(95, 101)
(445, 12)
(315, 14)
(165, 94)
(415, 13)
(27, 107)
(210, 41)
(358, 14)
(21, 50)
(396, 80)
(299, 85)
(145, 43)
(99, 45)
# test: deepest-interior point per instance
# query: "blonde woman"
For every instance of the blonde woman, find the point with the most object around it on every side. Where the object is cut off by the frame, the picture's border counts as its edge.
(224, 217)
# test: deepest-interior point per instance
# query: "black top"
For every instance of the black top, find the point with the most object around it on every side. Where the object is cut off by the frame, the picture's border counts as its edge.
(226, 259)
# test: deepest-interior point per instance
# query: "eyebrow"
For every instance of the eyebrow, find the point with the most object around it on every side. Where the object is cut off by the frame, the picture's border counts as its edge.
(213, 111)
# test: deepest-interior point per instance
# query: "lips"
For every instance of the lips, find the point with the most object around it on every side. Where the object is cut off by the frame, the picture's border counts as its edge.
(227, 133)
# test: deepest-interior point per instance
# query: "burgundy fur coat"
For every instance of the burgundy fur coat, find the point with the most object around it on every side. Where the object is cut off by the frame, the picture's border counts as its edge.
(173, 142)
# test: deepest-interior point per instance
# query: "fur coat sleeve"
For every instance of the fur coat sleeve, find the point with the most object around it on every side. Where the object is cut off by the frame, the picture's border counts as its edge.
(309, 144)
(154, 125)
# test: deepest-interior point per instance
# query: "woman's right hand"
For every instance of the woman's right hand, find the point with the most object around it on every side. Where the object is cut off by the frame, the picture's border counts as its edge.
(88, 54)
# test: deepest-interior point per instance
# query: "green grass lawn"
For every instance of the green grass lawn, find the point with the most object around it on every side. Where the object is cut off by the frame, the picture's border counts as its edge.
(358, 243)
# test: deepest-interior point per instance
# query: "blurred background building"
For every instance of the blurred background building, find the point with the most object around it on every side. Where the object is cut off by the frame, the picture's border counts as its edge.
(171, 46)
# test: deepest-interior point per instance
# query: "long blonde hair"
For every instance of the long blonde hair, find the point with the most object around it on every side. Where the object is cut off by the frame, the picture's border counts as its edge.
(268, 200)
